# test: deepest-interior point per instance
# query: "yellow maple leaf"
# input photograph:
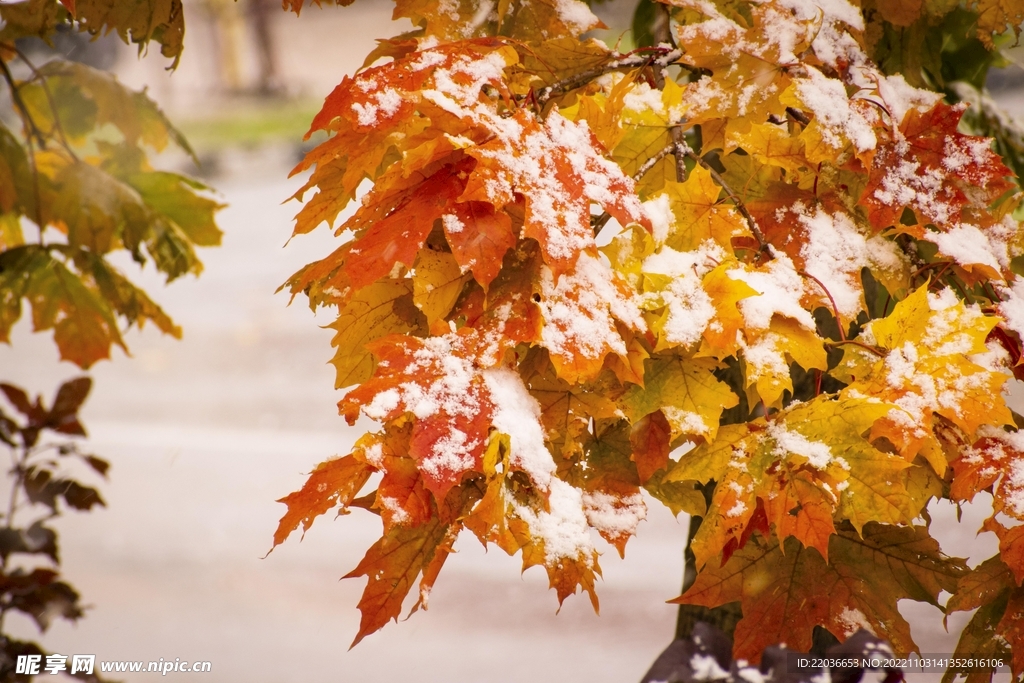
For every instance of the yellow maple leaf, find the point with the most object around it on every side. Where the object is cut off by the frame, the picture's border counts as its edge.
(437, 283)
(810, 463)
(931, 367)
(700, 214)
(686, 391)
(773, 145)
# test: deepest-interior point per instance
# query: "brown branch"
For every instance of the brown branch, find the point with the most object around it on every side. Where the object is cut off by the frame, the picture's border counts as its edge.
(633, 60)
(30, 124)
(58, 126)
(866, 347)
(798, 115)
(684, 149)
(664, 35)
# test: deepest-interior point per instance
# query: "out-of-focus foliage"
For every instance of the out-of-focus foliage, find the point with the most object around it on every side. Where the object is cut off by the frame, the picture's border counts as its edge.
(76, 185)
(41, 489)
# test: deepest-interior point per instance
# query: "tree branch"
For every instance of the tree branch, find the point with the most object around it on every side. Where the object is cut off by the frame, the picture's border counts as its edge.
(684, 150)
(30, 124)
(798, 115)
(662, 56)
(58, 126)
(652, 162)
(866, 347)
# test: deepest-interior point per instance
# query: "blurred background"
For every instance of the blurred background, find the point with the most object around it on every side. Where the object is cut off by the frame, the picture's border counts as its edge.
(206, 433)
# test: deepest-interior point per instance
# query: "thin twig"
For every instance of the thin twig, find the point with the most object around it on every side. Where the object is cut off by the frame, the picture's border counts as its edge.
(650, 163)
(835, 309)
(664, 35)
(601, 221)
(685, 150)
(49, 99)
(32, 130)
(30, 124)
(798, 116)
(926, 266)
(662, 56)
(854, 342)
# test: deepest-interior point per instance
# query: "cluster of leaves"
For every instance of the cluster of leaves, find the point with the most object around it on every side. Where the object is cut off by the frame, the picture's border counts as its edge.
(39, 484)
(78, 171)
(161, 21)
(807, 280)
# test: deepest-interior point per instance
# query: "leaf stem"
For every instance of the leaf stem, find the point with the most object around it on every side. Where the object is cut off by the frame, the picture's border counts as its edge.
(50, 101)
(30, 124)
(854, 342)
(662, 56)
(684, 149)
(835, 310)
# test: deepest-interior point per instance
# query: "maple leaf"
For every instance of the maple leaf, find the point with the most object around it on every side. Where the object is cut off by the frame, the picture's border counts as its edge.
(832, 246)
(566, 409)
(437, 283)
(402, 498)
(383, 308)
(995, 17)
(438, 380)
(84, 326)
(582, 312)
(332, 484)
(391, 566)
(811, 463)
(786, 592)
(479, 237)
(385, 106)
(565, 174)
(494, 518)
(995, 629)
(927, 370)
(398, 237)
(992, 463)
(651, 440)
(82, 98)
(686, 392)
(772, 144)
(698, 215)
(930, 168)
(840, 127)
(748, 63)
(548, 519)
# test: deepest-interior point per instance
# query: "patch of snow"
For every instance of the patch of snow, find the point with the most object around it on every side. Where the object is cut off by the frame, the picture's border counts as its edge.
(852, 620)
(965, 244)
(517, 415)
(818, 454)
(780, 290)
(826, 98)
(616, 516)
